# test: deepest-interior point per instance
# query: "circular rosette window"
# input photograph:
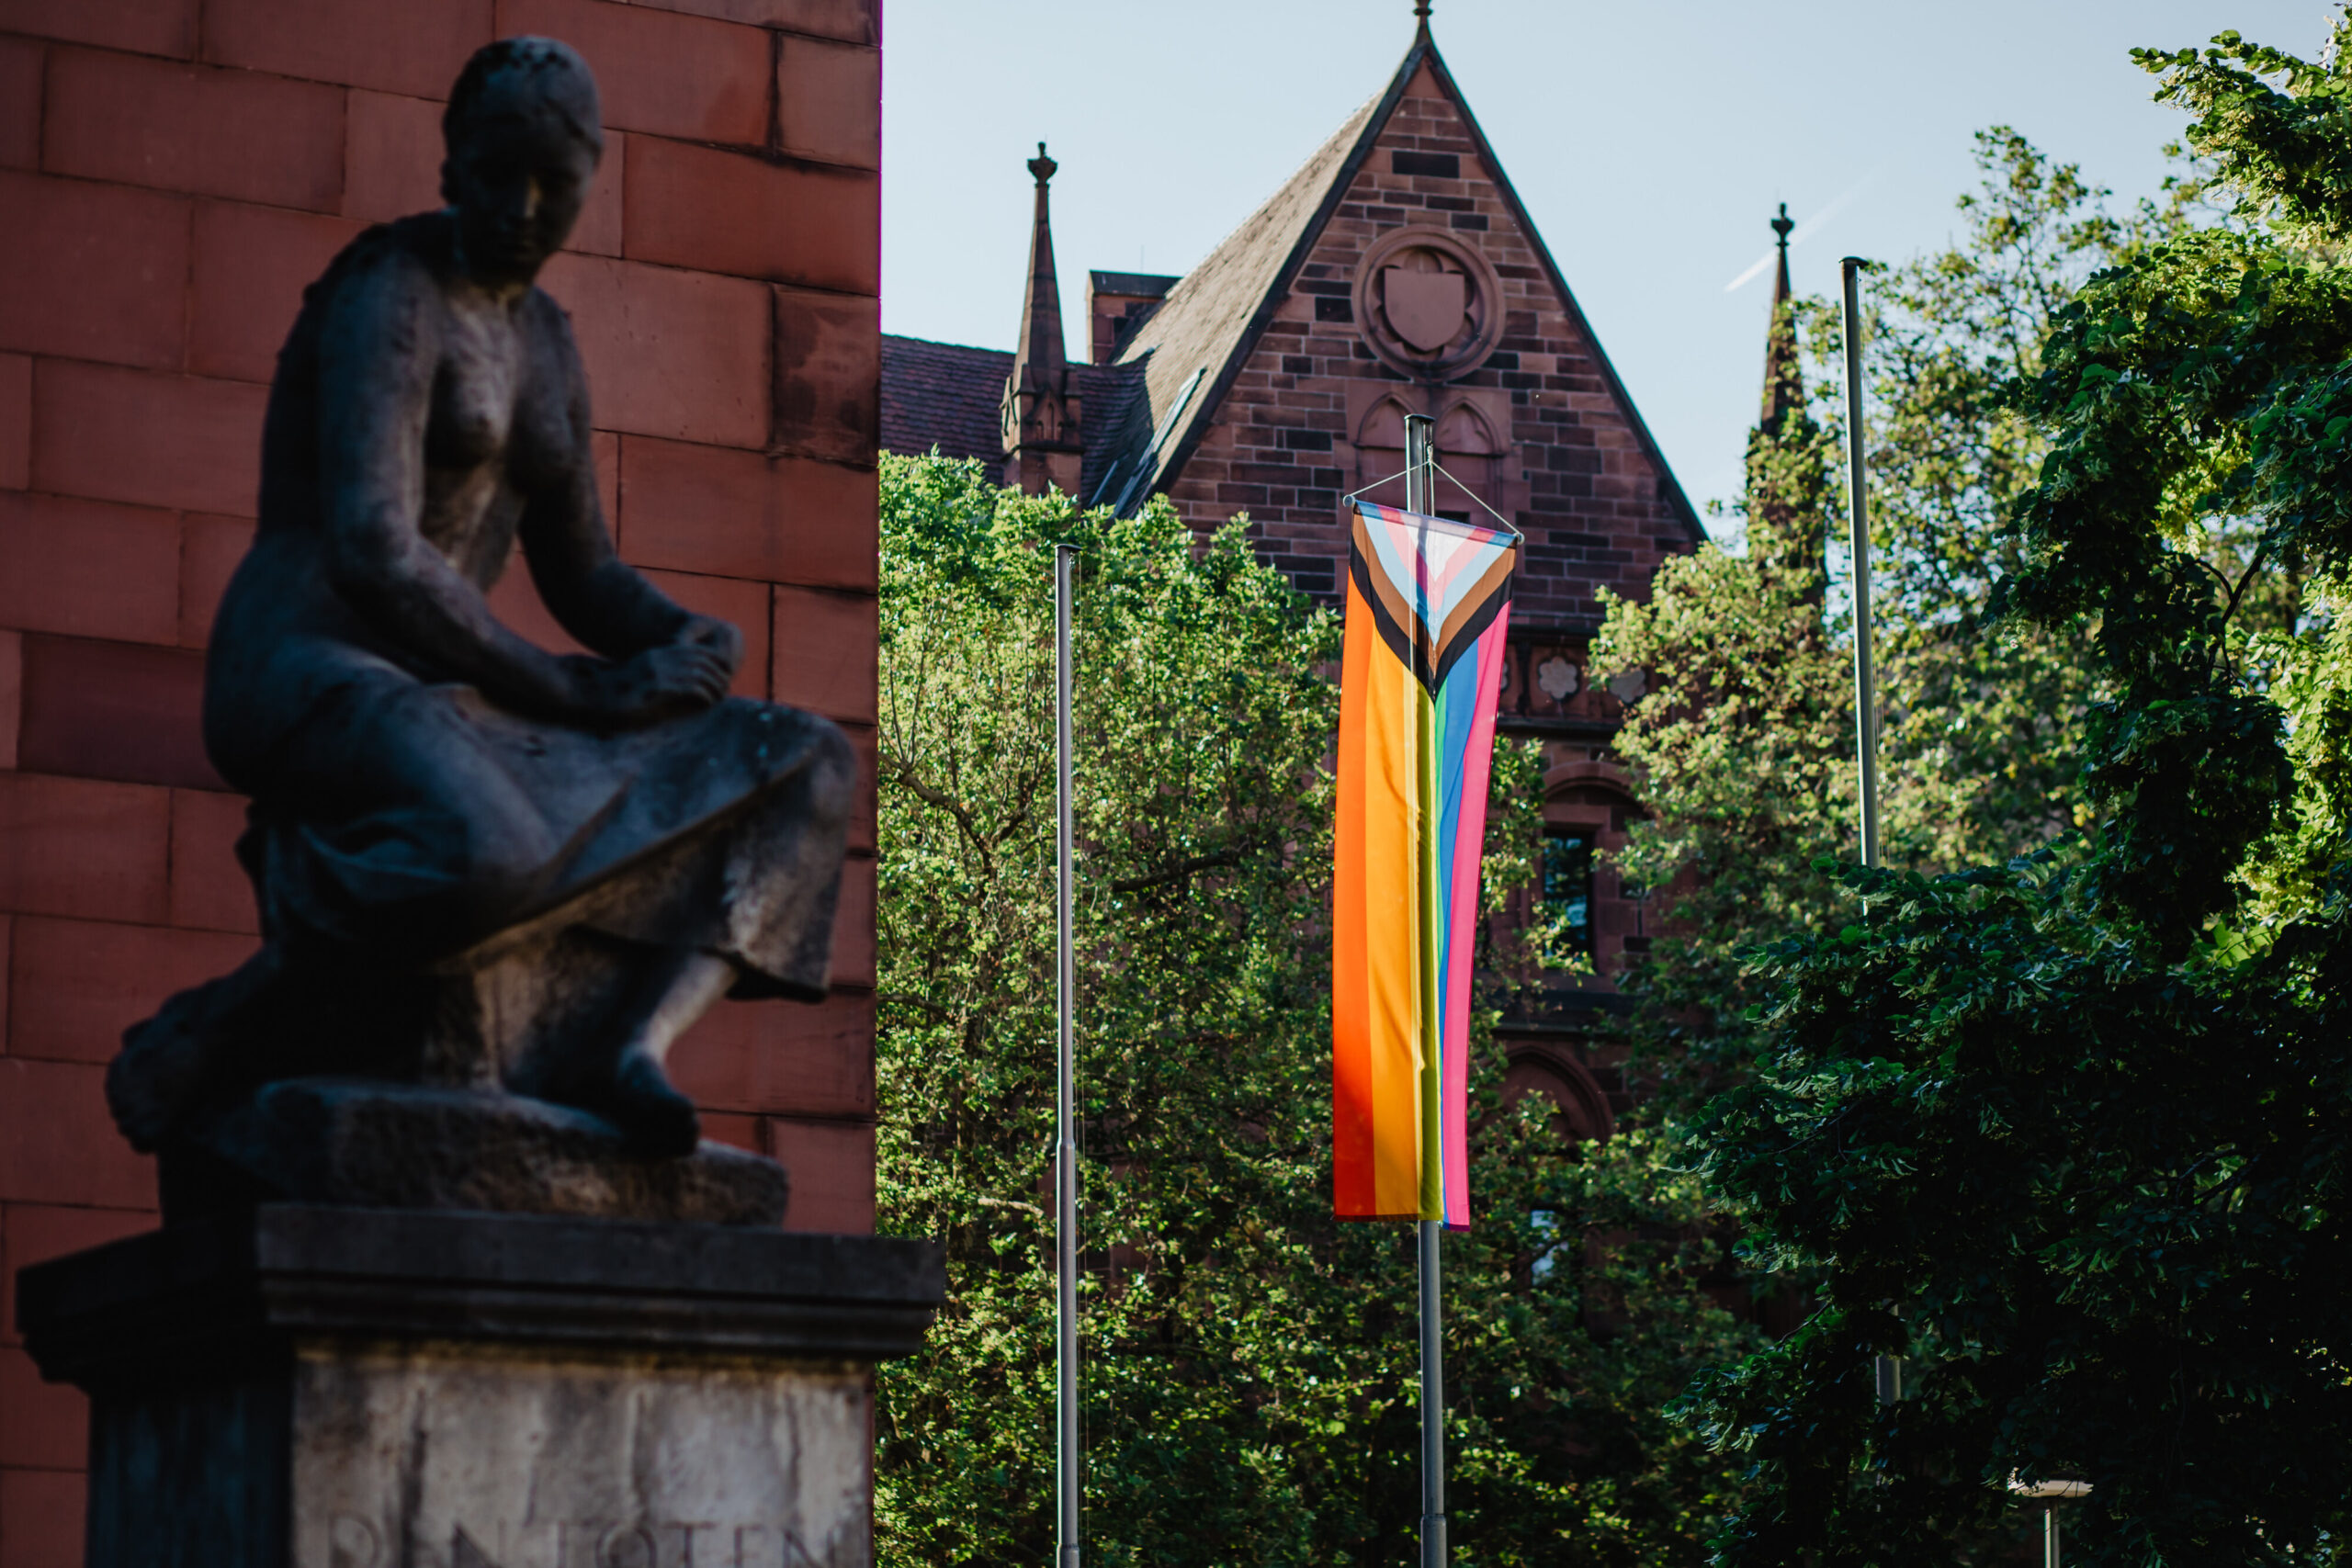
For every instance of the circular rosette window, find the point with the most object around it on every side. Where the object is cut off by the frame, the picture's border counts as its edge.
(1431, 306)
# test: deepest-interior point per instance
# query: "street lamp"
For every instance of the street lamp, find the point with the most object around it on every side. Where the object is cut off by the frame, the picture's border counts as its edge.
(2048, 1492)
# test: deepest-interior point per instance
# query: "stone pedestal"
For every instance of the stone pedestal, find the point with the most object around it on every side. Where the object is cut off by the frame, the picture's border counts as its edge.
(368, 1388)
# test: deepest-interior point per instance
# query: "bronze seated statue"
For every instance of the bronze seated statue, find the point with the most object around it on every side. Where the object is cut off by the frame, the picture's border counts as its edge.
(505, 878)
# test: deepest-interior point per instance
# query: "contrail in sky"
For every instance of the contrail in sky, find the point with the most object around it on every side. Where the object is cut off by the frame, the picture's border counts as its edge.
(1798, 235)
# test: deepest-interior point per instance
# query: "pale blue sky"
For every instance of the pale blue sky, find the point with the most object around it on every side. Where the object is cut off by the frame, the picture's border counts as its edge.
(1649, 139)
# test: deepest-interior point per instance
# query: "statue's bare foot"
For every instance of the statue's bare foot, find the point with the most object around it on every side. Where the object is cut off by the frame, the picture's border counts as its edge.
(654, 1119)
(161, 1072)
(196, 1046)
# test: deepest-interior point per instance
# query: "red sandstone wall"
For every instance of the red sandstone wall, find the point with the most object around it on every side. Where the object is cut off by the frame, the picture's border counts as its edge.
(172, 172)
(1284, 446)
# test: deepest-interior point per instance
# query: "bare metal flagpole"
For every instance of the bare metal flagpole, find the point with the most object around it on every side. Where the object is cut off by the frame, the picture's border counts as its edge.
(1859, 536)
(1418, 460)
(1065, 1147)
(1888, 1370)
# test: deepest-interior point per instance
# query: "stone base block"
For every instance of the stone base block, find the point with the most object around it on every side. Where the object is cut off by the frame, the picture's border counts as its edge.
(338, 1388)
(438, 1453)
(390, 1145)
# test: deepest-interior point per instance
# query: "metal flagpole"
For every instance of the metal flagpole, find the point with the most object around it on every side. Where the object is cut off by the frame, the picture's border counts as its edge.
(1065, 1147)
(1859, 535)
(1419, 463)
(1886, 1369)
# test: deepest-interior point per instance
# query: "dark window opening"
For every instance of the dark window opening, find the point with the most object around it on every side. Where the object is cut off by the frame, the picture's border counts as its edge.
(1442, 165)
(1330, 309)
(1568, 884)
(1462, 516)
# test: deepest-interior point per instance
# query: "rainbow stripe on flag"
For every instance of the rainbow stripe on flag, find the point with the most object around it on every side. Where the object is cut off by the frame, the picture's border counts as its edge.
(1429, 600)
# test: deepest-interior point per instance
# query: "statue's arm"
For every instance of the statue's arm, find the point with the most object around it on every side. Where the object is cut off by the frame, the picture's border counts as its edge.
(378, 350)
(592, 593)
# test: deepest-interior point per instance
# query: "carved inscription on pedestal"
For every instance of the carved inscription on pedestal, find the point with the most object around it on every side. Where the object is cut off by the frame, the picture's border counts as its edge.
(356, 1542)
(475, 1460)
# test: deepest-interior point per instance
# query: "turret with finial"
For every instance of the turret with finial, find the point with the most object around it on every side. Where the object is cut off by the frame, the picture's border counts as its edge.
(1042, 409)
(1783, 382)
(1781, 229)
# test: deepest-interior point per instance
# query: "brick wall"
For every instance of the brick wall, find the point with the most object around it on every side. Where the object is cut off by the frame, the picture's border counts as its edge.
(1291, 437)
(172, 172)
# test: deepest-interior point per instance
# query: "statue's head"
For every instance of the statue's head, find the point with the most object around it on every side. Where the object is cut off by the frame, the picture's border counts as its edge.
(522, 135)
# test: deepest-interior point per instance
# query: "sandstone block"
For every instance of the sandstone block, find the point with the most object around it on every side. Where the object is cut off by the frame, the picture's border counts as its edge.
(416, 47)
(728, 514)
(15, 421)
(143, 26)
(114, 710)
(781, 1058)
(147, 438)
(77, 985)
(828, 101)
(682, 355)
(832, 1166)
(827, 648)
(83, 848)
(58, 1144)
(731, 212)
(93, 272)
(251, 265)
(659, 71)
(87, 568)
(194, 129)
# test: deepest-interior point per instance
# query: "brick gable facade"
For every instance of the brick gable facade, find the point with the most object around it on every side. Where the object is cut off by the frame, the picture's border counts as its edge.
(1538, 430)
(1274, 379)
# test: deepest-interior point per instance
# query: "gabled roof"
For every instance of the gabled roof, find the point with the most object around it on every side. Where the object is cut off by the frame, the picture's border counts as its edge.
(951, 397)
(1196, 342)
(1206, 327)
(943, 395)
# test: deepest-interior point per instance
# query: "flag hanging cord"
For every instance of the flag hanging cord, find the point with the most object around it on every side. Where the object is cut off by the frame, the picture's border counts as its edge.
(1433, 467)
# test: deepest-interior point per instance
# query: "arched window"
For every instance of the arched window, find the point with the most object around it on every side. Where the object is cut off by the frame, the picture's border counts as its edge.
(1379, 451)
(1468, 448)
(1540, 1067)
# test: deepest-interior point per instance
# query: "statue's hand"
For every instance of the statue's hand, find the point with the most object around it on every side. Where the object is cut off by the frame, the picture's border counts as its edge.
(719, 637)
(661, 682)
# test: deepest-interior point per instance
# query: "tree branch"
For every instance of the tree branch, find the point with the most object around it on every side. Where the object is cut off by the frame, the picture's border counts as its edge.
(1181, 870)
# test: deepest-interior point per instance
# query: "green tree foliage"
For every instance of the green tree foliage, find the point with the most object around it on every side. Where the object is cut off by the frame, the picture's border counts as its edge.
(2074, 1133)
(1745, 745)
(1250, 1364)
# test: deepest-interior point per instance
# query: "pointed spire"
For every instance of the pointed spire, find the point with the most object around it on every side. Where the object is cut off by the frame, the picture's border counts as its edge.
(1788, 491)
(1041, 313)
(1783, 378)
(1420, 21)
(1040, 412)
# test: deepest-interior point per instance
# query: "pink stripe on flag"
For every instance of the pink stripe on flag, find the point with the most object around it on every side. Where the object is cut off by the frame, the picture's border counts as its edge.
(1477, 766)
